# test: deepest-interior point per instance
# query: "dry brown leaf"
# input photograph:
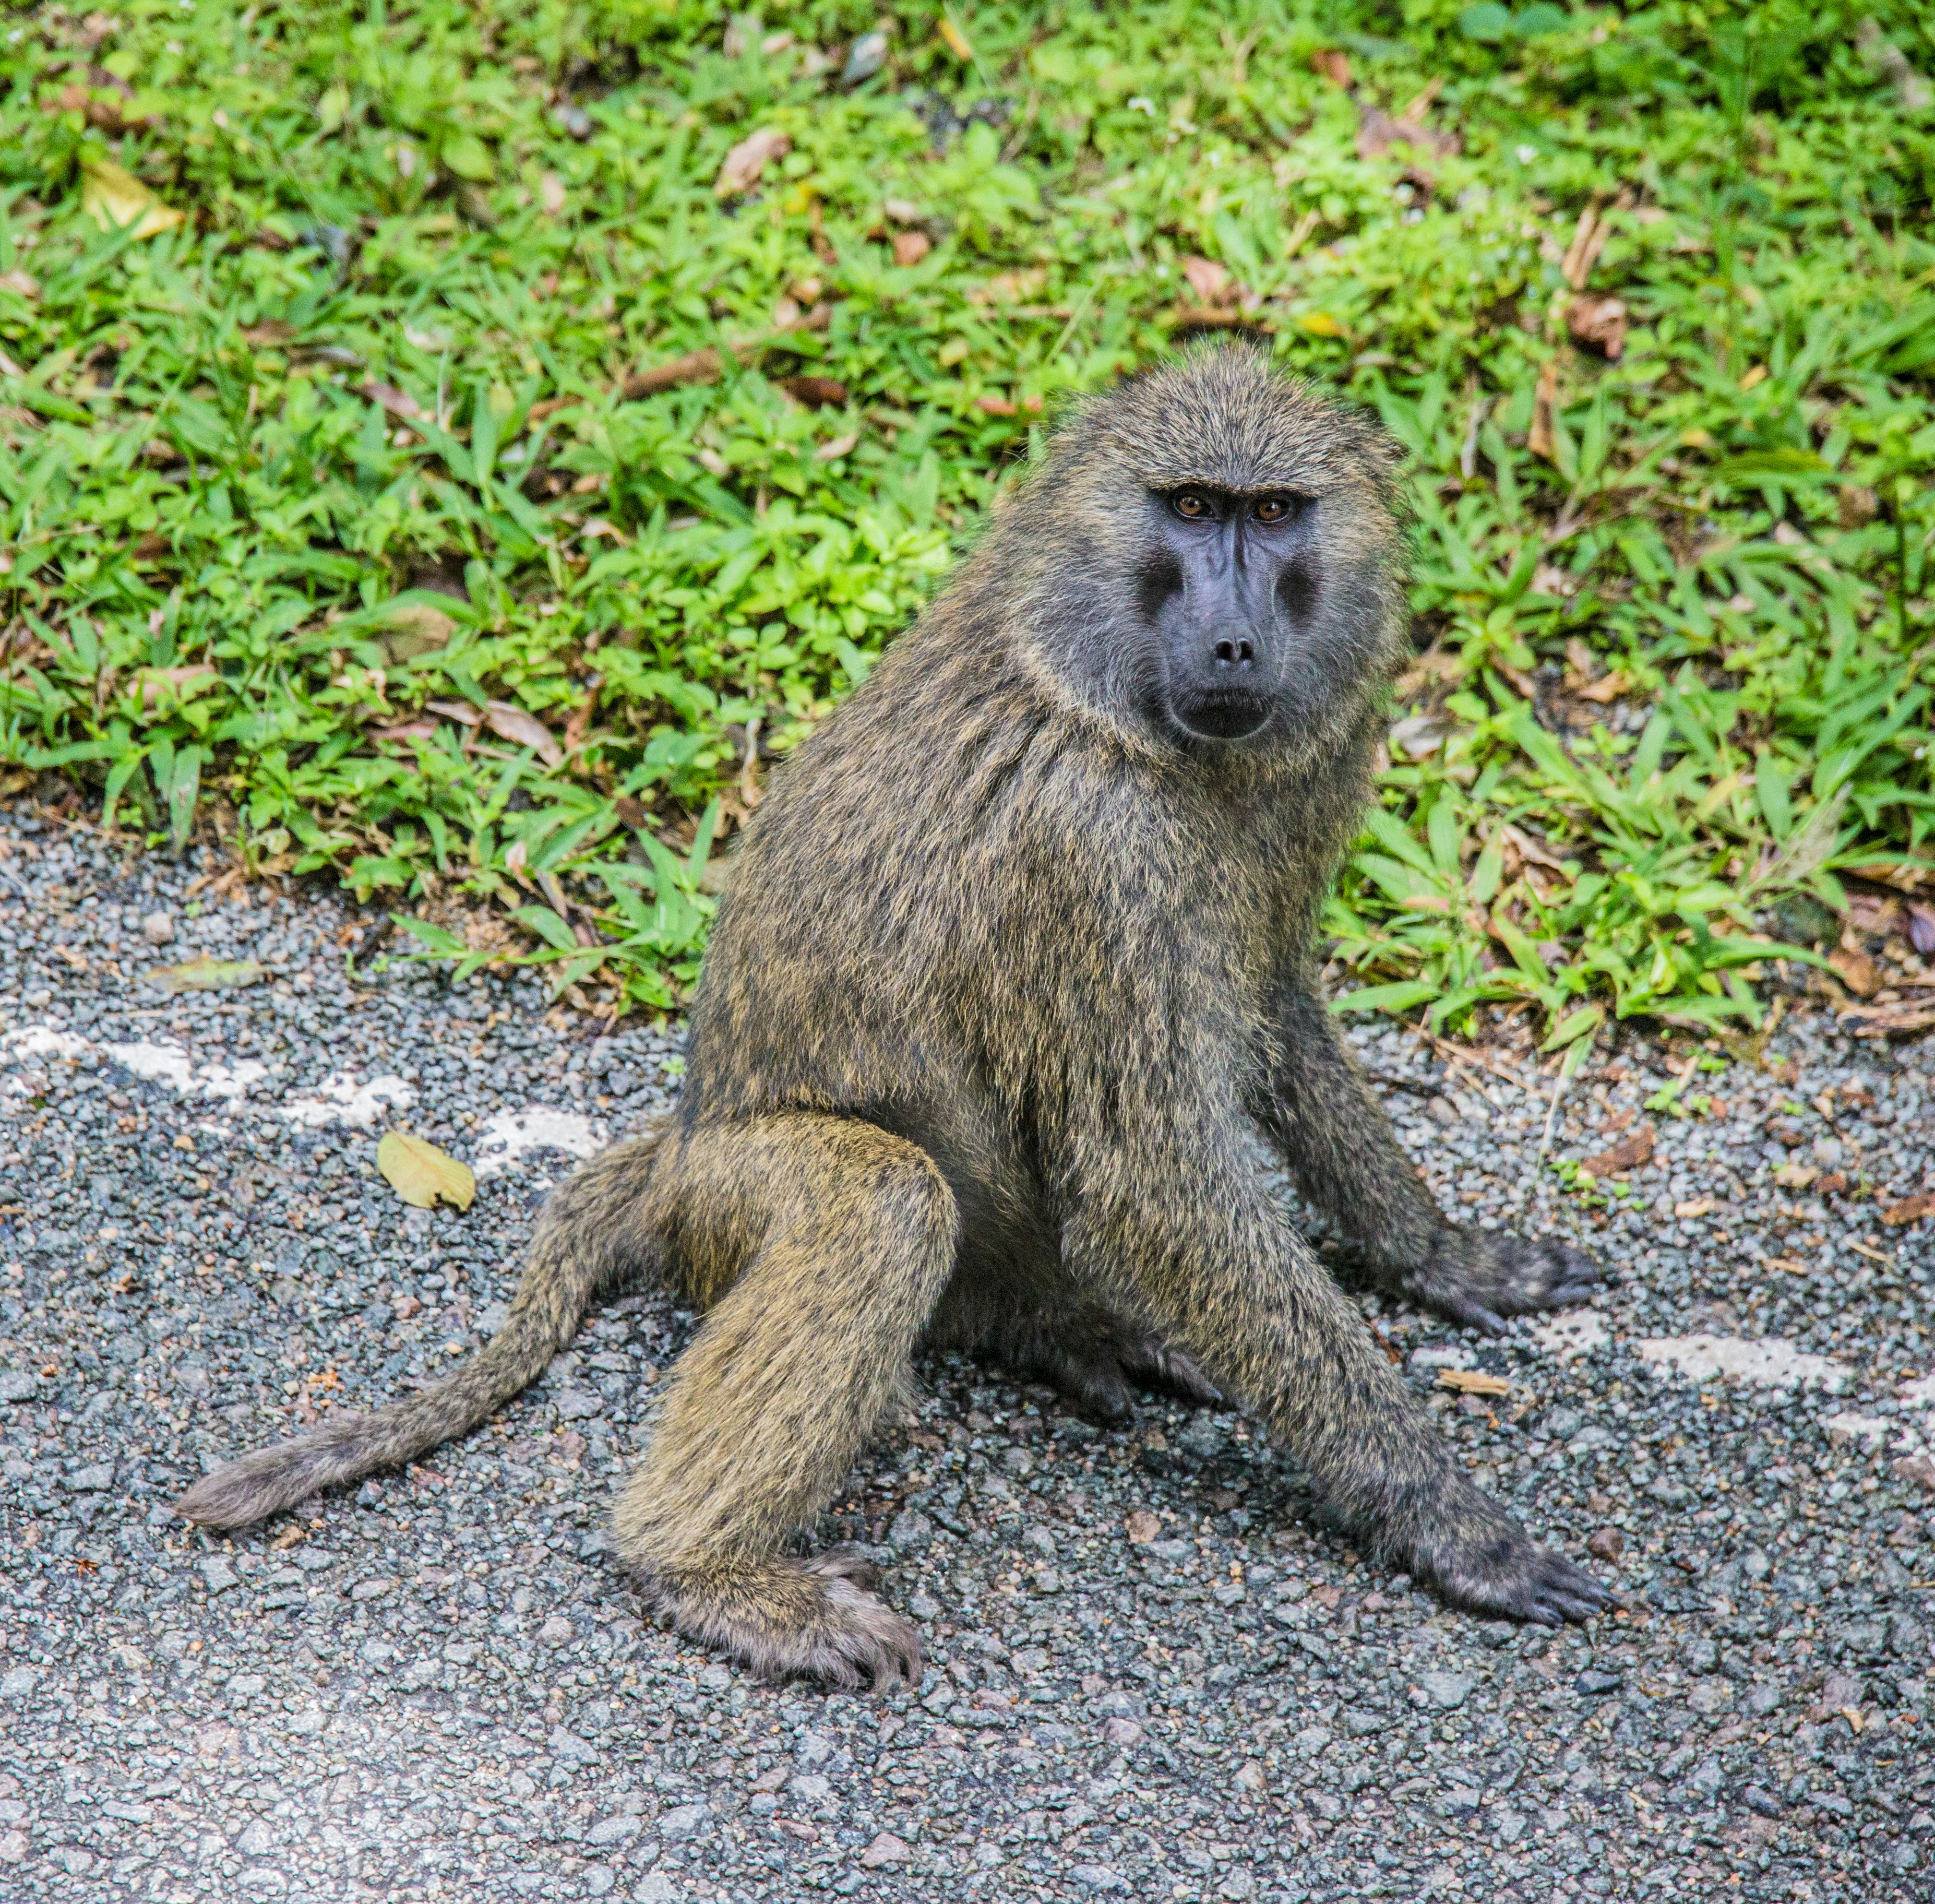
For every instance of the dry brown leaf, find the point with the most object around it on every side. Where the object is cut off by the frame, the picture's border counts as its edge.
(461, 711)
(421, 1173)
(1795, 1176)
(1471, 1381)
(1009, 287)
(1539, 439)
(1526, 848)
(522, 729)
(1589, 239)
(1599, 321)
(1856, 971)
(1698, 1206)
(551, 193)
(1909, 1209)
(398, 403)
(749, 159)
(1378, 132)
(910, 247)
(1904, 875)
(695, 367)
(1607, 687)
(203, 974)
(814, 392)
(839, 446)
(1328, 63)
(1209, 280)
(1143, 1527)
(1887, 1020)
(1632, 1150)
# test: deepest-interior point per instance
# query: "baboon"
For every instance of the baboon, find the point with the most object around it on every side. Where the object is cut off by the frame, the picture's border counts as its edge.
(1008, 1022)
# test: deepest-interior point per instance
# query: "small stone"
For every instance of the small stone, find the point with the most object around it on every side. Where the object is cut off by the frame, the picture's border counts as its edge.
(1442, 1108)
(616, 1830)
(17, 1385)
(1250, 1776)
(1606, 1543)
(96, 1479)
(216, 1572)
(886, 1849)
(1445, 1690)
(18, 1682)
(157, 928)
(1143, 1527)
(1593, 1684)
(1121, 1732)
(910, 1530)
(1917, 1470)
(1098, 1877)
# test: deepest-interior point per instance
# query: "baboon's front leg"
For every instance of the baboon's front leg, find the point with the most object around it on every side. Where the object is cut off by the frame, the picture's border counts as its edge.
(822, 1244)
(1347, 1161)
(1183, 1226)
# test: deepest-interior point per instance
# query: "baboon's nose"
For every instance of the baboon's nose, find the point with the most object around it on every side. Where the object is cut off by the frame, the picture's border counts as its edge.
(1234, 654)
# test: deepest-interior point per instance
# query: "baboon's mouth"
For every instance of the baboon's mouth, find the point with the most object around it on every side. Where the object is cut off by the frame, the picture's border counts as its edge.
(1224, 716)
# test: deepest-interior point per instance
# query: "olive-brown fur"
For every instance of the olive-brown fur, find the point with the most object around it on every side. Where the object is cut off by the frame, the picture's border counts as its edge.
(1008, 1021)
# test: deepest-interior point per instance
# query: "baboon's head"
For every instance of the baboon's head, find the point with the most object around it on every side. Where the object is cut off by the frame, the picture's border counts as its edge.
(1211, 555)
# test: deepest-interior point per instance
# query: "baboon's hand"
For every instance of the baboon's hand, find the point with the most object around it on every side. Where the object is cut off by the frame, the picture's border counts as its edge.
(1479, 1277)
(1486, 1563)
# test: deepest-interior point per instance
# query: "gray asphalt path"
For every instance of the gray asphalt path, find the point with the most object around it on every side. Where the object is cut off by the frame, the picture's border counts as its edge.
(1149, 1675)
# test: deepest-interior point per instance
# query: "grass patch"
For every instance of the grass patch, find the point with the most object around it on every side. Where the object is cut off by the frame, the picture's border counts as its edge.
(438, 450)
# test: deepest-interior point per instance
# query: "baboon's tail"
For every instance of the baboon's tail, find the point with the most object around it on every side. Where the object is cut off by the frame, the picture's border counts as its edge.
(595, 1227)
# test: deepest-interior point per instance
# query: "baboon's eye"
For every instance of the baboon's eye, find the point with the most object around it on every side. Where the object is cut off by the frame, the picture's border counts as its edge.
(1192, 505)
(1271, 510)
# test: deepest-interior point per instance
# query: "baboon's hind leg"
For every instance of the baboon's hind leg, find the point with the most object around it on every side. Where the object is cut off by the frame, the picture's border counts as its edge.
(823, 1244)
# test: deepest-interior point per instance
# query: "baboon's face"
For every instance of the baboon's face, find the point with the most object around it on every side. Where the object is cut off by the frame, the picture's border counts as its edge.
(1210, 556)
(1226, 591)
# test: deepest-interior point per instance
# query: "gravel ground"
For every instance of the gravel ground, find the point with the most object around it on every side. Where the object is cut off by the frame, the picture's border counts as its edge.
(1148, 1675)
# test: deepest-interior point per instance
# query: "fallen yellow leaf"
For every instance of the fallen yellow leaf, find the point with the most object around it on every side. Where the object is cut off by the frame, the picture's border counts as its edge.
(1320, 324)
(955, 40)
(1699, 1207)
(203, 974)
(1470, 1382)
(115, 199)
(420, 1173)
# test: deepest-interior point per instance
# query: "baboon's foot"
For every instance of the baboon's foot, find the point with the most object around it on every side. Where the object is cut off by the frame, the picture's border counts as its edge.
(810, 1618)
(1490, 1565)
(1097, 1371)
(1477, 1278)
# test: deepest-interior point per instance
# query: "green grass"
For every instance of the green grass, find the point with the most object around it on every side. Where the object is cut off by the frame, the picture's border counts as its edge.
(239, 593)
